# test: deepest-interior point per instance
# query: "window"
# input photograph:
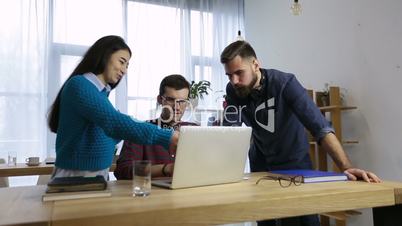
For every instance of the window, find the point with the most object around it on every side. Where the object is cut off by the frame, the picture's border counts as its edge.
(22, 89)
(75, 25)
(156, 46)
(77, 22)
(43, 40)
(174, 40)
(75, 28)
(201, 44)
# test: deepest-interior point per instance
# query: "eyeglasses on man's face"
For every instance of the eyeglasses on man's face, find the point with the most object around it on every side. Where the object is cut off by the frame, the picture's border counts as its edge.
(172, 101)
(283, 181)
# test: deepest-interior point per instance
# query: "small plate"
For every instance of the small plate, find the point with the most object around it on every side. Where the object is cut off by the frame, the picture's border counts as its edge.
(33, 164)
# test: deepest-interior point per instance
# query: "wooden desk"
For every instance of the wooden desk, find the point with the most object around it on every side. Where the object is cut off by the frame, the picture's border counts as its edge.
(24, 170)
(221, 204)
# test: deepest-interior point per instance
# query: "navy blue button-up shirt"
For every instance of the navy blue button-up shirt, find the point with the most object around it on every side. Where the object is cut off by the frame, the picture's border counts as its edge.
(279, 112)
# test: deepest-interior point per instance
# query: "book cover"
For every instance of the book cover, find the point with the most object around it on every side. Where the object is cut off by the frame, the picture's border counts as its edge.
(70, 184)
(75, 195)
(311, 176)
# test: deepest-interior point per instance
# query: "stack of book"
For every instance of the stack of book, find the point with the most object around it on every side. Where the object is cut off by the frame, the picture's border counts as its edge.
(310, 176)
(63, 188)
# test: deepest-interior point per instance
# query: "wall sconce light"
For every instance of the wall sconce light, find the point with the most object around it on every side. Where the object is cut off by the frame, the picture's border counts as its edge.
(296, 8)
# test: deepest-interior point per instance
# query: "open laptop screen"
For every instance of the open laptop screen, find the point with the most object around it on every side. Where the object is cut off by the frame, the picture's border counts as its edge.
(210, 155)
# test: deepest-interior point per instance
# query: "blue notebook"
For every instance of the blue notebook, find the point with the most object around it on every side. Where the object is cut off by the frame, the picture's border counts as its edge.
(312, 176)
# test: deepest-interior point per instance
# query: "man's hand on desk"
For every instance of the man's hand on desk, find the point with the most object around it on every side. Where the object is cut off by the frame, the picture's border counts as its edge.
(355, 173)
(331, 144)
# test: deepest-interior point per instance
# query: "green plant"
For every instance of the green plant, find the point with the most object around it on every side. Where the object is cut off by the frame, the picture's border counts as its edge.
(325, 94)
(325, 91)
(199, 89)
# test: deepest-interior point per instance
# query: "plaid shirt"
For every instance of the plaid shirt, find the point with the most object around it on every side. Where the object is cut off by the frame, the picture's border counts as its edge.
(156, 153)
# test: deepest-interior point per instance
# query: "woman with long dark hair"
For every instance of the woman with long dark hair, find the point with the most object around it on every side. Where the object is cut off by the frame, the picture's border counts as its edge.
(87, 125)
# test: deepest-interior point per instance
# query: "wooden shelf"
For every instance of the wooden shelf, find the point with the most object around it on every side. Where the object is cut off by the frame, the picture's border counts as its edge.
(350, 142)
(335, 107)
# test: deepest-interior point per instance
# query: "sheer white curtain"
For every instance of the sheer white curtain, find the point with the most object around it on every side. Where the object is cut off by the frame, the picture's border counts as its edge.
(177, 36)
(23, 76)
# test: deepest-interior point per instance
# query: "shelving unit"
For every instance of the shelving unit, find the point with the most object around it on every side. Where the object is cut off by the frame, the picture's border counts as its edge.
(319, 158)
(334, 109)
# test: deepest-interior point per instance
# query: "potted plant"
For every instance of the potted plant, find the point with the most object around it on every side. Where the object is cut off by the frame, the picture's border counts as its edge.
(198, 90)
(323, 96)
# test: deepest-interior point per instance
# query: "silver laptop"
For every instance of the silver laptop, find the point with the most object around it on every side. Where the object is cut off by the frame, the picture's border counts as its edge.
(208, 156)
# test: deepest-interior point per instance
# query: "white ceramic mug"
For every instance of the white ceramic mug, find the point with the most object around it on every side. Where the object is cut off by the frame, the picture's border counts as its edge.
(32, 161)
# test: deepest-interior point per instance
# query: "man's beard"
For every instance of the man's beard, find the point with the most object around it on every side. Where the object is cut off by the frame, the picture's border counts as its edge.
(244, 91)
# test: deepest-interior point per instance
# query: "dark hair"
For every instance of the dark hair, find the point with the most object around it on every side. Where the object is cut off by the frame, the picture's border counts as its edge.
(95, 61)
(174, 81)
(238, 48)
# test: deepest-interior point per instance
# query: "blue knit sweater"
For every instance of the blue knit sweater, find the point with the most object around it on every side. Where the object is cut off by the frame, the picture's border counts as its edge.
(90, 127)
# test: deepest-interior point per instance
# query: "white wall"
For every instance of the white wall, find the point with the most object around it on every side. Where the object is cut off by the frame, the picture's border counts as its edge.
(353, 44)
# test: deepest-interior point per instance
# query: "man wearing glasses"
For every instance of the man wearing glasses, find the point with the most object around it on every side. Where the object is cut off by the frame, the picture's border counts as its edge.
(278, 109)
(173, 97)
